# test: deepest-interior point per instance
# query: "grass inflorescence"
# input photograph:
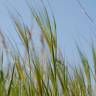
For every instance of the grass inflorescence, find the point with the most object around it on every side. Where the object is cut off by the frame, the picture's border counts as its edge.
(34, 75)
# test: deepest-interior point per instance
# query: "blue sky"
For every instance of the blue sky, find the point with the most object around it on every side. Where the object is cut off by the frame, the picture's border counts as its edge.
(72, 23)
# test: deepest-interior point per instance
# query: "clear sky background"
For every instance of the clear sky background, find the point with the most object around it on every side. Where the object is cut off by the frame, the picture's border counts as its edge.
(72, 24)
